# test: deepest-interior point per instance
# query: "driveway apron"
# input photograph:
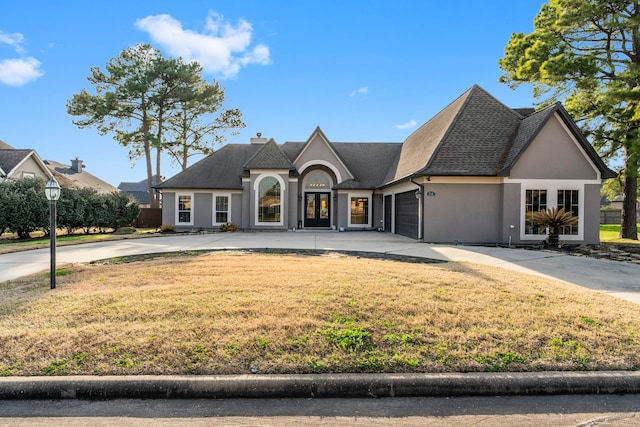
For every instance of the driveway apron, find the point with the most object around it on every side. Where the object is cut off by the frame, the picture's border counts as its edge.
(618, 279)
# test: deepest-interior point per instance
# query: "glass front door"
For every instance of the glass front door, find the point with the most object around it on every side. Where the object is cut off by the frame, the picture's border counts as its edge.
(316, 209)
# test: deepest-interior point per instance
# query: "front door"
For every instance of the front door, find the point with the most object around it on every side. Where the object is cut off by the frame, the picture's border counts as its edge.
(316, 209)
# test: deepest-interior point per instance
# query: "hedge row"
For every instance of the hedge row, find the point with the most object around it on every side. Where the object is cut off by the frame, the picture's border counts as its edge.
(24, 208)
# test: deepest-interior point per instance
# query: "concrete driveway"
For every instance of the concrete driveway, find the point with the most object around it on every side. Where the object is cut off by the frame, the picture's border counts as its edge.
(619, 279)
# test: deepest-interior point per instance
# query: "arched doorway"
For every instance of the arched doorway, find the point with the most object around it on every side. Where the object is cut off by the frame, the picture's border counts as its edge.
(317, 199)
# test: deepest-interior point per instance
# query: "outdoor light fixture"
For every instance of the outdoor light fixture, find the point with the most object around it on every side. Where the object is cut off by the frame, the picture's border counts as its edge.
(418, 194)
(52, 192)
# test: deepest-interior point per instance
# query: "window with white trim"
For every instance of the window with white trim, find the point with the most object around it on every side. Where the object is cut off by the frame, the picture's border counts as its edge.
(543, 195)
(184, 210)
(221, 209)
(269, 201)
(359, 211)
(535, 201)
(569, 201)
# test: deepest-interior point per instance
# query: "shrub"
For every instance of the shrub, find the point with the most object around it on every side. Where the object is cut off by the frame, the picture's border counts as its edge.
(228, 227)
(167, 228)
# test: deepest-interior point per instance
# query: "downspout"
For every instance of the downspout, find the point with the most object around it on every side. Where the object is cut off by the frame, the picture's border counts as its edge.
(420, 197)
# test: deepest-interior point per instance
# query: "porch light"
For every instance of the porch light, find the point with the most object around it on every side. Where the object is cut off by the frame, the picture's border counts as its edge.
(418, 194)
(52, 192)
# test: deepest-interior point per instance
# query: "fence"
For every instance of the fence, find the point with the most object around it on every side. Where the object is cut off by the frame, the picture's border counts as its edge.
(148, 218)
(610, 216)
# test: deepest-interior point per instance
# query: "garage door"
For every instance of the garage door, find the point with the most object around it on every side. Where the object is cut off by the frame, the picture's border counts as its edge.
(407, 214)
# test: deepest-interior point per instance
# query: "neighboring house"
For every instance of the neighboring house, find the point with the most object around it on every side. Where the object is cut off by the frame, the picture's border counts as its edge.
(468, 175)
(21, 163)
(139, 190)
(74, 176)
(618, 202)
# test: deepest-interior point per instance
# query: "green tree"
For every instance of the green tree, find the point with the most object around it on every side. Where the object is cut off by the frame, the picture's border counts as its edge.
(139, 96)
(193, 128)
(122, 104)
(587, 54)
(24, 207)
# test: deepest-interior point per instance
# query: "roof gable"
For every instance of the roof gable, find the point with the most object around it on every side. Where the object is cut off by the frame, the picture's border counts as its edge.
(554, 127)
(12, 159)
(269, 157)
(476, 139)
(319, 150)
(418, 148)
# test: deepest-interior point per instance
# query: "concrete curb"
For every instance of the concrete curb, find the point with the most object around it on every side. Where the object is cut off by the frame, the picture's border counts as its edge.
(320, 386)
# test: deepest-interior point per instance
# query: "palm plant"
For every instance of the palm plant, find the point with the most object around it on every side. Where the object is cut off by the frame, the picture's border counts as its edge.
(553, 219)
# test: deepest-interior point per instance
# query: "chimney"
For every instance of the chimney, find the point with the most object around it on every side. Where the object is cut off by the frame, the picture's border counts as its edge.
(259, 139)
(76, 165)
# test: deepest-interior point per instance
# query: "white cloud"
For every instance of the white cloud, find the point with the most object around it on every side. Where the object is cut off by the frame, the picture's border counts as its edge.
(17, 72)
(15, 40)
(361, 91)
(409, 125)
(221, 48)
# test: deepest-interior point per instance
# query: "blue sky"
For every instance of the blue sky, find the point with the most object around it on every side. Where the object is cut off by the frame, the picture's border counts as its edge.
(364, 71)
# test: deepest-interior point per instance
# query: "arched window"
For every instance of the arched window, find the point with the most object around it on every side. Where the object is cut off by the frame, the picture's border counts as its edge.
(317, 181)
(269, 200)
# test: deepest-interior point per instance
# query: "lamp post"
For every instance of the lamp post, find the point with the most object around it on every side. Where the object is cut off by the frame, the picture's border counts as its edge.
(52, 191)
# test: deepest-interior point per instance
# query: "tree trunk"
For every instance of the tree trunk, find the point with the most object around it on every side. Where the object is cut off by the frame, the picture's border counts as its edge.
(628, 229)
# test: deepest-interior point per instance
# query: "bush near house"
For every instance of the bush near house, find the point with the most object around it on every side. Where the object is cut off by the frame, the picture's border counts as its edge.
(553, 219)
(24, 208)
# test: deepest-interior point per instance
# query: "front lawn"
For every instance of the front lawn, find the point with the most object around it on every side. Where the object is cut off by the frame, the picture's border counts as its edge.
(229, 313)
(609, 234)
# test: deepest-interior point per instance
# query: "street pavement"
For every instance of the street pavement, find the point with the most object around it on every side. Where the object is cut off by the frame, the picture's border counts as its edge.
(621, 280)
(519, 411)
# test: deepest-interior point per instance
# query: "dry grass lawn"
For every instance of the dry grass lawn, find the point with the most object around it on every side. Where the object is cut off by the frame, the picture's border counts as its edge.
(226, 313)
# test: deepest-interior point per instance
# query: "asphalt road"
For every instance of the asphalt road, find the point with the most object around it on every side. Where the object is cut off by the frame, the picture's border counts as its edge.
(557, 411)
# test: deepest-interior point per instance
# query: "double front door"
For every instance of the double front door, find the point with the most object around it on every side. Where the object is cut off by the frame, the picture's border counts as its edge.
(316, 209)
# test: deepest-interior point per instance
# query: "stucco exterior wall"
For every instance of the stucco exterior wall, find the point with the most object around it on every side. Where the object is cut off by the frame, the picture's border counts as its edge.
(378, 212)
(168, 207)
(293, 205)
(319, 153)
(553, 154)
(202, 211)
(592, 214)
(247, 205)
(466, 213)
(343, 211)
(236, 209)
(511, 208)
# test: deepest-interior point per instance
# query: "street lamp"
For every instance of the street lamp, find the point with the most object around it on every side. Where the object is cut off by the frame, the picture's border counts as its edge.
(52, 191)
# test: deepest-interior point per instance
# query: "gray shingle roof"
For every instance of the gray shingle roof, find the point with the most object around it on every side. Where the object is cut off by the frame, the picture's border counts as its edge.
(220, 170)
(10, 158)
(475, 135)
(475, 141)
(269, 157)
(369, 162)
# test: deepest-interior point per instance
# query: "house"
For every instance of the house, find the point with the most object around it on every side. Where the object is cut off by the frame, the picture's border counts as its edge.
(74, 176)
(140, 190)
(468, 175)
(21, 163)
